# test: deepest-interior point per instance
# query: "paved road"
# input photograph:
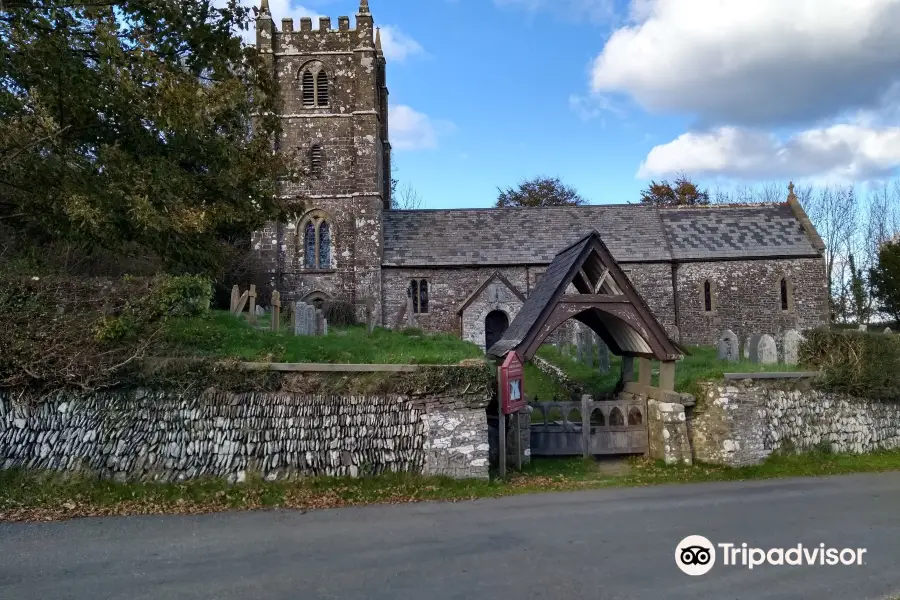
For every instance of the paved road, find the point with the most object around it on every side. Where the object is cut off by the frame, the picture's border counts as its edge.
(600, 545)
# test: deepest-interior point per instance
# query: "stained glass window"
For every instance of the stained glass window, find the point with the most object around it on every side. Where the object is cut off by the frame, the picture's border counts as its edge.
(310, 245)
(324, 246)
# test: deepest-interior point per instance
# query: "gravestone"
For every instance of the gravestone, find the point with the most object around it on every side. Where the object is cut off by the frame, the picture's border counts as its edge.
(602, 356)
(241, 303)
(300, 317)
(887, 330)
(276, 310)
(235, 298)
(320, 322)
(325, 327)
(747, 343)
(310, 319)
(260, 311)
(763, 350)
(729, 346)
(792, 340)
(579, 345)
(862, 327)
(251, 314)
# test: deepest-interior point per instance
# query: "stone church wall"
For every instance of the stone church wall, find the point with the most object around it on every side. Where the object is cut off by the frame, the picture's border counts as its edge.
(748, 298)
(653, 281)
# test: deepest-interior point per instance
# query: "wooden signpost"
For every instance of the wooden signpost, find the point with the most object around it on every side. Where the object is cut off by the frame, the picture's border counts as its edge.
(510, 383)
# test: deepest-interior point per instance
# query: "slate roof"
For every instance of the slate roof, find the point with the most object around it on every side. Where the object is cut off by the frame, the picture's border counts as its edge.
(632, 232)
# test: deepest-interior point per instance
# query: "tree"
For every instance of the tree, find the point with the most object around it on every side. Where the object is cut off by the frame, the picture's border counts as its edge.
(540, 191)
(885, 279)
(407, 198)
(144, 125)
(682, 192)
(859, 296)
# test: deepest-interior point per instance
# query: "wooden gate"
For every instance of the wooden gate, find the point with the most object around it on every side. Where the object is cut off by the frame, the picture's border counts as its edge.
(588, 427)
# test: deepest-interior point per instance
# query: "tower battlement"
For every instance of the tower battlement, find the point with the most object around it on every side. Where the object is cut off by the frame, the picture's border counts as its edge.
(315, 36)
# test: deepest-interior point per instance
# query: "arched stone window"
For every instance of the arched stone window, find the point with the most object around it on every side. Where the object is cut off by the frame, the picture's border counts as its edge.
(317, 240)
(314, 85)
(786, 294)
(316, 160)
(418, 291)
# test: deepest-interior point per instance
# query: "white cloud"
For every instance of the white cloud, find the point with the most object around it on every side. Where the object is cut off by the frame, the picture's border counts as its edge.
(397, 45)
(595, 10)
(844, 152)
(761, 62)
(412, 130)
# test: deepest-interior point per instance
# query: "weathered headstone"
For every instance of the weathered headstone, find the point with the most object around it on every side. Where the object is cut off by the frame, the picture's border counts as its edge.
(325, 327)
(888, 331)
(260, 311)
(410, 317)
(862, 327)
(276, 310)
(747, 344)
(792, 340)
(251, 314)
(370, 315)
(579, 345)
(602, 356)
(300, 317)
(320, 322)
(235, 298)
(241, 303)
(763, 350)
(729, 346)
(310, 319)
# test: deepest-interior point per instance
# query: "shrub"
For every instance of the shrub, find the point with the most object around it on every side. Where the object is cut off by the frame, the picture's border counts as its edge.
(862, 364)
(60, 332)
(340, 313)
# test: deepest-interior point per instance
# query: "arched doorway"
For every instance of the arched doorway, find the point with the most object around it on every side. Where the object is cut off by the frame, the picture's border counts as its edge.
(495, 325)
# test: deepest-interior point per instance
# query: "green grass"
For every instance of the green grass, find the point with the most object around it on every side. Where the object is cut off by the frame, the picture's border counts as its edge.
(223, 336)
(541, 387)
(26, 496)
(701, 364)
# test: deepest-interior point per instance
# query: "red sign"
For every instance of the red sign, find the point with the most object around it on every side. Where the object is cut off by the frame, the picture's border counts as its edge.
(512, 379)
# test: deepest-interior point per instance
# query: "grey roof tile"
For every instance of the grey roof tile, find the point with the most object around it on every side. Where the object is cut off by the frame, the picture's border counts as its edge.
(633, 233)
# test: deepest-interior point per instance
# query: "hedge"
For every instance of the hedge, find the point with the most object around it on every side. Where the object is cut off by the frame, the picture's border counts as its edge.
(858, 363)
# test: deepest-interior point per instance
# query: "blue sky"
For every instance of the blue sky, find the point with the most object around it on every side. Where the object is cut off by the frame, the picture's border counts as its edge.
(607, 94)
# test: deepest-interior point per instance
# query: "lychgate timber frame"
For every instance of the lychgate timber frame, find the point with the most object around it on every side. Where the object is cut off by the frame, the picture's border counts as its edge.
(605, 301)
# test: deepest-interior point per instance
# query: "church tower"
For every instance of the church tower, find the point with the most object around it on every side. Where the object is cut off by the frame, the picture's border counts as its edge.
(334, 111)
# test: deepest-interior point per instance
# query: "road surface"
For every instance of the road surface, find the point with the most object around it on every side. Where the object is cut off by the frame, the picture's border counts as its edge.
(606, 544)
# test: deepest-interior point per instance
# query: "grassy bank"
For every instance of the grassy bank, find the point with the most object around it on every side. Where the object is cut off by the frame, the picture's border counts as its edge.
(701, 364)
(43, 496)
(222, 336)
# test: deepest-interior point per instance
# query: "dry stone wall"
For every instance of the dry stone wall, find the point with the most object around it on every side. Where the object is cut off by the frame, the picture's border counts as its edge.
(165, 436)
(742, 423)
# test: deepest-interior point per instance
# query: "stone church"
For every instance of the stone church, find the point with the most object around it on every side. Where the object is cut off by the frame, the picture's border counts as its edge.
(749, 268)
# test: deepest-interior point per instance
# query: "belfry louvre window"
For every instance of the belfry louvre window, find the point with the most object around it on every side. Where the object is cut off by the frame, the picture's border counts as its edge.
(316, 160)
(418, 291)
(314, 86)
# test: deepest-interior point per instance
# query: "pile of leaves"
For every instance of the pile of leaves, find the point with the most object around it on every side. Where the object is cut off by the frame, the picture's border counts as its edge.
(858, 363)
(74, 333)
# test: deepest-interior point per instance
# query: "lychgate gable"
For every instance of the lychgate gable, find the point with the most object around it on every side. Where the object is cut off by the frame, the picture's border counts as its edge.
(584, 282)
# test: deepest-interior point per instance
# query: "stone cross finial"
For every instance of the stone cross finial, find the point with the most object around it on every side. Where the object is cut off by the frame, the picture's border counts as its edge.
(791, 190)
(378, 39)
(363, 6)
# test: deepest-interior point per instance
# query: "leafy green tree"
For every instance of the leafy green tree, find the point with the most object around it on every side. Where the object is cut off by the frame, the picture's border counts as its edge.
(139, 124)
(540, 191)
(682, 192)
(885, 279)
(859, 297)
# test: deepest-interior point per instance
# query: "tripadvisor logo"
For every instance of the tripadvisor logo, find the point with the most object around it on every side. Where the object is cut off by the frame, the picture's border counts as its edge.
(696, 555)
